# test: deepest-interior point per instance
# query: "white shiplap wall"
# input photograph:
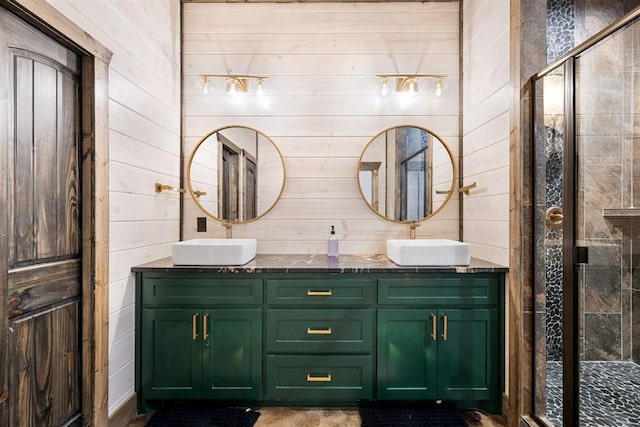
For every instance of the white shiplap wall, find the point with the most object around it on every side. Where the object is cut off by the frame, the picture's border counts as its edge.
(486, 103)
(324, 106)
(144, 147)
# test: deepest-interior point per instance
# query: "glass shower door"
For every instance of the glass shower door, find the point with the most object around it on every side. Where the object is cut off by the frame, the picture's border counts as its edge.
(606, 141)
(586, 236)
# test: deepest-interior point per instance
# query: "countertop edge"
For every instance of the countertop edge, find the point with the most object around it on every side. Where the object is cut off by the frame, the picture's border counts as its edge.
(344, 264)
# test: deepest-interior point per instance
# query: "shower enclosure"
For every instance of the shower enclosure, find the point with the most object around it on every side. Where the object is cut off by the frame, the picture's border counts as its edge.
(586, 228)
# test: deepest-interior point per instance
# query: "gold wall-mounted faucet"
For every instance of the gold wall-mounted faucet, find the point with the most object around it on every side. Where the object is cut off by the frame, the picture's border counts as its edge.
(412, 229)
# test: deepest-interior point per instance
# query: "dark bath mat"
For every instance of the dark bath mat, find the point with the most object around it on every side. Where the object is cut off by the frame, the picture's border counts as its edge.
(431, 415)
(201, 415)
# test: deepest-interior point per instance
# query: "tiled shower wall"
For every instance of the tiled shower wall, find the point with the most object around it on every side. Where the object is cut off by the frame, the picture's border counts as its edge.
(607, 285)
(605, 134)
(560, 39)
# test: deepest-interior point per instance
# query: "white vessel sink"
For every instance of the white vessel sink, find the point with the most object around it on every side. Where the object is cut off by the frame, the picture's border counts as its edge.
(214, 251)
(429, 252)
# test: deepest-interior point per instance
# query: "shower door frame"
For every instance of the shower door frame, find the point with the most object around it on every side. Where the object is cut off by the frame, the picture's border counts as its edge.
(570, 307)
(573, 256)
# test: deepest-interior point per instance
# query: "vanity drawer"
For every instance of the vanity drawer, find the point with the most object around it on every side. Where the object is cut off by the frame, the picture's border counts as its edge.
(454, 289)
(327, 377)
(322, 291)
(201, 291)
(320, 330)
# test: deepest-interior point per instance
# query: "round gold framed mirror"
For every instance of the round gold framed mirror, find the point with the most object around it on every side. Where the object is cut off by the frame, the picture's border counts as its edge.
(406, 174)
(235, 174)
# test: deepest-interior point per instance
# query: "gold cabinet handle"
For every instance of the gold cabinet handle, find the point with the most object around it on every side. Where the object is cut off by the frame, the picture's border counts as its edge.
(194, 327)
(318, 293)
(205, 319)
(444, 327)
(318, 331)
(434, 327)
(318, 379)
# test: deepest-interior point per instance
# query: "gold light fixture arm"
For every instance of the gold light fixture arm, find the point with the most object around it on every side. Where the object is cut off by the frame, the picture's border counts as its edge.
(409, 82)
(199, 193)
(236, 83)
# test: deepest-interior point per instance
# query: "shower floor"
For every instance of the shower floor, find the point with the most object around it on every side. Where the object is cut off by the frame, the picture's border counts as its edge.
(609, 394)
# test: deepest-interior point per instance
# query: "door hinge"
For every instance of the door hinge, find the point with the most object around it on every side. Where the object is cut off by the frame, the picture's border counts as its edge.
(581, 254)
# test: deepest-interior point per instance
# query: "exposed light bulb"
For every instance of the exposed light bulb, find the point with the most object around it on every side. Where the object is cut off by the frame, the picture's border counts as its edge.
(259, 89)
(231, 87)
(385, 87)
(438, 87)
(205, 87)
(412, 87)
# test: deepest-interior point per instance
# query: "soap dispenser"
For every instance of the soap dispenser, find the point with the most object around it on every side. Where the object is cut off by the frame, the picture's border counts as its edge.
(332, 244)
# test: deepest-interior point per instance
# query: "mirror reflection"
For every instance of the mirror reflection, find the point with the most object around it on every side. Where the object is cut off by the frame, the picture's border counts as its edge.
(235, 174)
(406, 173)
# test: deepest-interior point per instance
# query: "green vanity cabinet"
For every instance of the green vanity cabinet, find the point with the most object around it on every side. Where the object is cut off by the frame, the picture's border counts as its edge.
(439, 338)
(320, 338)
(407, 354)
(341, 337)
(198, 338)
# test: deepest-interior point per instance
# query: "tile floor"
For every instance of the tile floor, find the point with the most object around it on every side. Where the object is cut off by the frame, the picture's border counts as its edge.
(321, 417)
(609, 394)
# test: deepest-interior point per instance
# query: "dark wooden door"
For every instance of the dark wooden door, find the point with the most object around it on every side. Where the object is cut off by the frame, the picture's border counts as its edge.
(229, 186)
(41, 282)
(250, 187)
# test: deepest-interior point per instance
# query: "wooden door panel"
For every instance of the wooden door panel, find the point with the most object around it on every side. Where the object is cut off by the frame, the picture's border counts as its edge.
(44, 160)
(45, 367)
(68, 173)
(21, 193)
(42, 286)
(44, 206)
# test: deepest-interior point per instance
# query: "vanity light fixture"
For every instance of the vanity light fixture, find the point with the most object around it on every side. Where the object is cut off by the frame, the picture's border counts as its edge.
(409, 83)
(235, 84)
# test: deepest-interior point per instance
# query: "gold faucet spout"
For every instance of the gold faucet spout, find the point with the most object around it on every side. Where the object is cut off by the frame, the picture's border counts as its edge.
(412, 229)
(228, 226)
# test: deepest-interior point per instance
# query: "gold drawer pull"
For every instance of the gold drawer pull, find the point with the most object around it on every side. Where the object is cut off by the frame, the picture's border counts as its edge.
(434, 327)
(318, 293)
(194, 327)
(318, 331)
(205, 335)
(318, 379)
(444, 326)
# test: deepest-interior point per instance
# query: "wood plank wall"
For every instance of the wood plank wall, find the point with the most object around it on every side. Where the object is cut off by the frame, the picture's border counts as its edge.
(324, 106)
(486, 123)
(144, 147)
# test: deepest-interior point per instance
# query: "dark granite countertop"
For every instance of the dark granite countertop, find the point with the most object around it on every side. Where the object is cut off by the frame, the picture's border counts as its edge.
(285, 263)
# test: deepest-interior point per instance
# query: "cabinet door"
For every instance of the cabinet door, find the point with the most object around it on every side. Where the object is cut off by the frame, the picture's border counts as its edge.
(232, 354)
(170, 353)
(468, 355)
(407, 351)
